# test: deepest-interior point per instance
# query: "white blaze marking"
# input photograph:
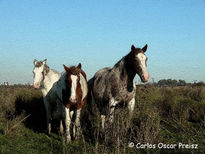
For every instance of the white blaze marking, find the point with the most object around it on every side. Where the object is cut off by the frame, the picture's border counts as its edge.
(142, 59)
(73, 86)
(38, 76)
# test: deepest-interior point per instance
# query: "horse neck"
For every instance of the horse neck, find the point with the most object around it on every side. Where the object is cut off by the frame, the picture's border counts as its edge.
(50, 78)
(126, 72)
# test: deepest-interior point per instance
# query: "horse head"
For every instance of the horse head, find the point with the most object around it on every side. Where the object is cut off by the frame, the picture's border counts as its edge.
(73, 83)
(39, 72)
(140, 62)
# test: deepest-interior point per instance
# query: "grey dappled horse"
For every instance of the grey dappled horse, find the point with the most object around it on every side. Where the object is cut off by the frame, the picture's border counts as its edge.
(112, 86)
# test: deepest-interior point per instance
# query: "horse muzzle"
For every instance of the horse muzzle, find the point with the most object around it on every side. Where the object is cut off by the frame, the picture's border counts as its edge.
(144, 77)
(36, 85)
(73, 100)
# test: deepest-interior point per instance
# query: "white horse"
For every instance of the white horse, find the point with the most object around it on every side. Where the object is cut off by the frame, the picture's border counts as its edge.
(46, 78)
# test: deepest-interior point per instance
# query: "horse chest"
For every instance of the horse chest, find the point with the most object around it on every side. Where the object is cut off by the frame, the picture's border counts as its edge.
(125, 94)
(44, 91)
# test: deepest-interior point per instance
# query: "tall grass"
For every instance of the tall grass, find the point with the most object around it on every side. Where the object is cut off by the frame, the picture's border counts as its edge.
(169, 115)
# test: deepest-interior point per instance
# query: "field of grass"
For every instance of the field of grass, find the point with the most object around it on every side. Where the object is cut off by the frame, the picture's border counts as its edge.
(168, 115)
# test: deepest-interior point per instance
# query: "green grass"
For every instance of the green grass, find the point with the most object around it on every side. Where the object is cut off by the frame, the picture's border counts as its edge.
(169, 115)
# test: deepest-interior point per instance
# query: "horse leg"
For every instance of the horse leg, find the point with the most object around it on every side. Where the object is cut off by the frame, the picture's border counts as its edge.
(111, 114)
(48, 115)
(103, 121)
(131, 106)
(61, 127)
(71, 117)
(77, 123)
(60, 116)
(67, 124)
(111, 110)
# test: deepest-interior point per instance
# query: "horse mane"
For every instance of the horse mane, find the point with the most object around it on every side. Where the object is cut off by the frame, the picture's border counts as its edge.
(74, 70)
(46, 67)
(128, 58)
(84, 75)
(125, 64)
(39, 64)
(55, 71)
(120, 63)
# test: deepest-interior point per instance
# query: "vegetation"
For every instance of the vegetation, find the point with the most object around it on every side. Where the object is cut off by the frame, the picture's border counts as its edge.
(163, 114)
(170, 82)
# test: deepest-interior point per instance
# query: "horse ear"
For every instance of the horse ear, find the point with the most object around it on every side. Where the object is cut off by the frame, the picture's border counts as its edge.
(79, 66)
(132, 48)
(66, 68)
(35, 61)
(44, 62)
(144, 49)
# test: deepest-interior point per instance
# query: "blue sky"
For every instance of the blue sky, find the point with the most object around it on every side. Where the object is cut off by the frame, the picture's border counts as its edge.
(99, 33)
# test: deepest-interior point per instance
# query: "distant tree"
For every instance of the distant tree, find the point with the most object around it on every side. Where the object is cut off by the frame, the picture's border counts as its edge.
(162, 82)
(199, 83)
(170, 82)
(181, 83)
(167, 82)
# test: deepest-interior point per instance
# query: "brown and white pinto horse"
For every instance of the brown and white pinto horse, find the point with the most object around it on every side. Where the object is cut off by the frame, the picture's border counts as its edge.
(74, 95)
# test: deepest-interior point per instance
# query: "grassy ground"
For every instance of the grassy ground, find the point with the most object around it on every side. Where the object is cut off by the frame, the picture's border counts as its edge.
(169, 115)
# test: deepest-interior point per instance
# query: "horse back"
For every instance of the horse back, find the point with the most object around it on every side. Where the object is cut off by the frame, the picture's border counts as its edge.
(99, 85)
